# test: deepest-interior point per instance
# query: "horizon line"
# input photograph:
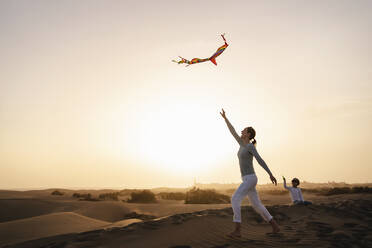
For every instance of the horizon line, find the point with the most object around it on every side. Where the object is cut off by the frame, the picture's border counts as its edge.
(170, 187)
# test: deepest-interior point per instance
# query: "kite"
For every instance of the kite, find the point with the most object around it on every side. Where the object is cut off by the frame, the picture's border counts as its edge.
(212, 58)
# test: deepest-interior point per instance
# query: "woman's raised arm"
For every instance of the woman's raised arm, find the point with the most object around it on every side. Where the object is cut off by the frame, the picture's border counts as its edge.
(231, 128)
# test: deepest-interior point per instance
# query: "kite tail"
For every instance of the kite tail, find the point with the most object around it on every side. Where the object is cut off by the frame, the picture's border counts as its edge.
(178, 62)
(223, 37)
(182, 61)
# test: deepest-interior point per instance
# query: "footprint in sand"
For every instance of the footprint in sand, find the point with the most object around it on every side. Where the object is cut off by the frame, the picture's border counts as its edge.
(288, 228)
(292, 240)
(359, 232)
(300, 232)
(341, 239)
(322, 229)
(275, 235)
(350, 224)
(340, 235)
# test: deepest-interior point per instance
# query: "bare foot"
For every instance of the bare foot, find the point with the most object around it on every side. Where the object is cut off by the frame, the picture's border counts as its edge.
(275, 226)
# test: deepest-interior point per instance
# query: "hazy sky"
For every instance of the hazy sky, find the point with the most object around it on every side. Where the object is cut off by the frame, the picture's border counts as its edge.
(89, 96)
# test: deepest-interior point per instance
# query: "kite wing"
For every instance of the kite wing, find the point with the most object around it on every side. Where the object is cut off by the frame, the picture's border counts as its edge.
(212, 58)
(219, 51)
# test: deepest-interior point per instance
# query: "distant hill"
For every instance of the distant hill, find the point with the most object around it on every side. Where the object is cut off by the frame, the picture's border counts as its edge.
(128, 191)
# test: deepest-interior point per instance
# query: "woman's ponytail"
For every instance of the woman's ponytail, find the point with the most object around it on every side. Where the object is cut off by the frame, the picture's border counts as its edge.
(254, 142)
(252, 133)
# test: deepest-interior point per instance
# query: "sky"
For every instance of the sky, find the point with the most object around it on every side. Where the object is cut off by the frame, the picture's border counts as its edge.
(89, 96)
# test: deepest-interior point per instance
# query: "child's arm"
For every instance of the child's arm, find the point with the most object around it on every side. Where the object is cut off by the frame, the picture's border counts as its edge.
(285, 183)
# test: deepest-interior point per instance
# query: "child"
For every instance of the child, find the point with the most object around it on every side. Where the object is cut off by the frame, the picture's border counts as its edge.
(296, 193)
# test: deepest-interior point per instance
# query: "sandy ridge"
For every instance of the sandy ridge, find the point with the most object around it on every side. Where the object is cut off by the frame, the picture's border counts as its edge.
(346, 223)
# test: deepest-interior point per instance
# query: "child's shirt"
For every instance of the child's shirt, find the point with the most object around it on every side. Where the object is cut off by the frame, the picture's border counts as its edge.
(296, 193)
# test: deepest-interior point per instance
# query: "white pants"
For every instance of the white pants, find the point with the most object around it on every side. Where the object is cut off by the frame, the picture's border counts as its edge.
(248, 188)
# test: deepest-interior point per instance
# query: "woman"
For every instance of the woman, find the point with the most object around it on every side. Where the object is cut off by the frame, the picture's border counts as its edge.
(246, 153)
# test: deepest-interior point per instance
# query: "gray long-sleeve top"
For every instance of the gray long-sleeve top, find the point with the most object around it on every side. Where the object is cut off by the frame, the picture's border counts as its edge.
(246, 153)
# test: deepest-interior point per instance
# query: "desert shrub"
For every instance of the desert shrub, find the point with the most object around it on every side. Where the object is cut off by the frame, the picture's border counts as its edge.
(109, 196)
(172, 195)
(343, 190)
(357, 189)
(144, 196)
(199, 196)
(361, 190)
(84, 197)
(57, 192)
(125, 192)
(230, 191)
(338, 191)
(78, 195)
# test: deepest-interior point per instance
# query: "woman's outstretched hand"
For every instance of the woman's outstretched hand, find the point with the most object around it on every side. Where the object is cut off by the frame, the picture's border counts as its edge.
(223, 114)
(273, 180)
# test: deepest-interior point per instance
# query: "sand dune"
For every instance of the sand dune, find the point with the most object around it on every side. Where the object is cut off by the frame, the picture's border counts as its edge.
(14, 209)
(29, 218)
(169, 207)
(345, 223)
(110, 211)
(47, 225)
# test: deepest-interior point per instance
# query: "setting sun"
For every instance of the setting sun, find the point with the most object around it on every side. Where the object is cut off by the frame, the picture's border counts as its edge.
(178, 137)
